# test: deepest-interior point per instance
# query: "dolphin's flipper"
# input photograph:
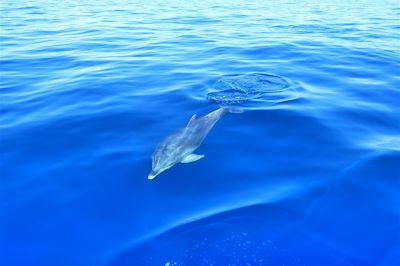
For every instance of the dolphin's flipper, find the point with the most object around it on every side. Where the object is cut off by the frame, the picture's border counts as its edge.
(192, 158)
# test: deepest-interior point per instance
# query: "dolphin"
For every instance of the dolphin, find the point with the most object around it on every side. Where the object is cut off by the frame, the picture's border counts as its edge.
(179, 147)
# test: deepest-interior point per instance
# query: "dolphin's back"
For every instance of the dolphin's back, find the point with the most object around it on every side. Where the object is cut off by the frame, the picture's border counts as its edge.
(198, 128)
(191, 136)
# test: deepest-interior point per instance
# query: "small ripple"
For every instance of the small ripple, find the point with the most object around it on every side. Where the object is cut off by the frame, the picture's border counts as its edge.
(384, 142)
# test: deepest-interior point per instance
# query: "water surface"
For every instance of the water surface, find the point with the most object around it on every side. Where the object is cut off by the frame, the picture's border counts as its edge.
(88, 89)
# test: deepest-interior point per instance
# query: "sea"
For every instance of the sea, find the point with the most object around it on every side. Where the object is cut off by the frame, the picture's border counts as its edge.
(304, 169)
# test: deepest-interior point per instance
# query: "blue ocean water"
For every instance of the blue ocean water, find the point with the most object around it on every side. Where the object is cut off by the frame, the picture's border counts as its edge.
(89, 88)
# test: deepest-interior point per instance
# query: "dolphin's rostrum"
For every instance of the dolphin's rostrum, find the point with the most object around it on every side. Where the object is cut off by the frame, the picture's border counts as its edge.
(179, 147)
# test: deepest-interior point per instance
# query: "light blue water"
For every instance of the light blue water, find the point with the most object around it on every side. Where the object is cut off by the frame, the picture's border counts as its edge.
(305, 176)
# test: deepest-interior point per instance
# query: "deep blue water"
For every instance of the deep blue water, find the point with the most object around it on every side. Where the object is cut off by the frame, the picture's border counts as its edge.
(89, 89)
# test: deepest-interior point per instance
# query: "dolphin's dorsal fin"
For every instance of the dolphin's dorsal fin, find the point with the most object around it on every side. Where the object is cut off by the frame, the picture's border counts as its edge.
(192, 119)
(192, 158)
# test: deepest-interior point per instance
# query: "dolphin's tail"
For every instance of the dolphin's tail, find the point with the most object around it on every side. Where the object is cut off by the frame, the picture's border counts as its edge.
(233, 110)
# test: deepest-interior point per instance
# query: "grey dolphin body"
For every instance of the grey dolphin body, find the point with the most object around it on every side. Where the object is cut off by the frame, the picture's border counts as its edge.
(179, 147)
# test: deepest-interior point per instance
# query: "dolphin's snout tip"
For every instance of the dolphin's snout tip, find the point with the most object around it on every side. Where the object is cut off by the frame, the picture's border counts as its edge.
(152, 175)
